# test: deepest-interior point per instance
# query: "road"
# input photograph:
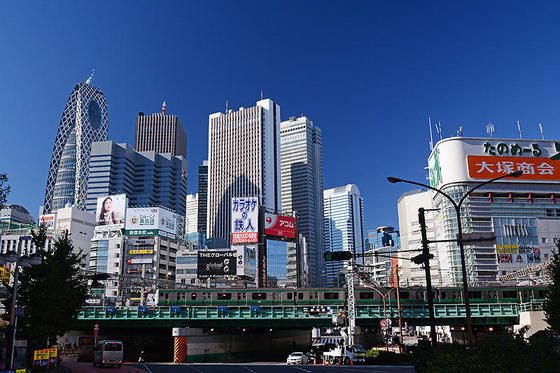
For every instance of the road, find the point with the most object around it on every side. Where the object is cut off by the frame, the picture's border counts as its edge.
(236, 368)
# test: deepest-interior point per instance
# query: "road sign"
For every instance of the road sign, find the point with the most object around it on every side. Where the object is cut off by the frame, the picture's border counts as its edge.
(96, 327)
(383, 323)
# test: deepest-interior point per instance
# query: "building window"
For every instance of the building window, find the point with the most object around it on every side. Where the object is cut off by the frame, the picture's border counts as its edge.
(543, 239)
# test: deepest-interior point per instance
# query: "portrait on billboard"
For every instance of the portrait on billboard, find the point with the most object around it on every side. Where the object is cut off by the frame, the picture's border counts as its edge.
(111, 210)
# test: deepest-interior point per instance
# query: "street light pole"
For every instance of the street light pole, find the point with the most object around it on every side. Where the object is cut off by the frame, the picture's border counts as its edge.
(457, 207)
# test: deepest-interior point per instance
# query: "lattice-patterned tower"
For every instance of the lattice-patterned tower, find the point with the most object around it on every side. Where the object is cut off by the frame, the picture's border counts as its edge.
(84, 121)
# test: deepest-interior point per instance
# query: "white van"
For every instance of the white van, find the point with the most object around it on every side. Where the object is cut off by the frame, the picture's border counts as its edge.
(108, 352)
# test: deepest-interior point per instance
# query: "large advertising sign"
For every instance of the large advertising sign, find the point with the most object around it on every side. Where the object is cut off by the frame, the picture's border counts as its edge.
(216, 263)
(246, 260)
(49, 221)
(111, 211)
(244, 220)
(151, 221)
(461, 159)
(280, 226)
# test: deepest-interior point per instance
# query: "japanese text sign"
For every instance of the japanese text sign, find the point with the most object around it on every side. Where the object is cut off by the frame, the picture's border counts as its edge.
(244, 220)
(489, 167)
(281, 226)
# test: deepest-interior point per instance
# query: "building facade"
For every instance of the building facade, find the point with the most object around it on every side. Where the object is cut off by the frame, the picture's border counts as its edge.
(243, 161)
(147, 178)
(382, 255)
(160, 133)
(191, 218)
(411, 238)
(84, 121)
(302, 187)
(343, 227)
(15, 216)
(522, 212)
(202, 196)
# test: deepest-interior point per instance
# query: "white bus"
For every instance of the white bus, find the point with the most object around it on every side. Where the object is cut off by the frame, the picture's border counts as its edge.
(109, 352)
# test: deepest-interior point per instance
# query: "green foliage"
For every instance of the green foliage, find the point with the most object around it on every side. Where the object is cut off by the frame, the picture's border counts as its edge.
(53, 292)
(372, 353)
(551, 305)
(4, 189)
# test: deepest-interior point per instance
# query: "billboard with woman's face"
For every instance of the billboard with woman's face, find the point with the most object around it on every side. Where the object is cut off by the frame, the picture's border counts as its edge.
(111, 210)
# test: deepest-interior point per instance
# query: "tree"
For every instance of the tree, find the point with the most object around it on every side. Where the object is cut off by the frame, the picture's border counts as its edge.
(551, 305)
(4, 189)
(53, 292)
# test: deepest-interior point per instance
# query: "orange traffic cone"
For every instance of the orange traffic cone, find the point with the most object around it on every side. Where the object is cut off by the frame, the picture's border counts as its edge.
(314, 361)
(351, 363)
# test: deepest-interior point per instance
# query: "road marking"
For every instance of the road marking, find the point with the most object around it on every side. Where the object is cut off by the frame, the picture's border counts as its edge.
(195, 369)
(148, 369)
(302, 369)
(250, 370)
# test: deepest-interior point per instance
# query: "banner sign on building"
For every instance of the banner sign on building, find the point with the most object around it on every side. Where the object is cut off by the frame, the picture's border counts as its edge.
(489, 167)
(507, 249)
(141, 252)
(246, 260)
(140, 261)
(49, 221)
(151, 221)
(188, 259)
(111, 211)
(216, 263)
(280, 226)
(244, 220)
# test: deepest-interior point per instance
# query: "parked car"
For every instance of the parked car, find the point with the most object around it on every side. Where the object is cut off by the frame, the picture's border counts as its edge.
(297, 358)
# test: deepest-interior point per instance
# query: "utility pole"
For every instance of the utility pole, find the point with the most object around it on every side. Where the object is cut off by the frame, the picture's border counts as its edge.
(351, 303)
(399, 311)
(426, 257)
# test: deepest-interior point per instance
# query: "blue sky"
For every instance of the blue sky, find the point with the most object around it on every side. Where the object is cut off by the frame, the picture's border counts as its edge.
(368, 73)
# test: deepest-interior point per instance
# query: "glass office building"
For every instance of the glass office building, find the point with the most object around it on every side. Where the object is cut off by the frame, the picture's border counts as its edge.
(276, 263)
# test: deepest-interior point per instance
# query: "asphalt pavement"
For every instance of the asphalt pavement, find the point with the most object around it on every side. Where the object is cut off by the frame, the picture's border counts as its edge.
(268, 368)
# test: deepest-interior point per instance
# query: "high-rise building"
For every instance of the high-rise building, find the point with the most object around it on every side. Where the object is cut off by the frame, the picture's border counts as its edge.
(302, 187)
(84, 121)
(243, 161)
(382, 255)
(147, 178)
(411, 238)
(15, 216)
(191, 217)
(202, 196)
(522, 213)
(160, 133)
(344, 227)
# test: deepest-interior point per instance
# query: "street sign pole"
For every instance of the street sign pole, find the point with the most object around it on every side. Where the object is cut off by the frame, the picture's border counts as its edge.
(426, 254)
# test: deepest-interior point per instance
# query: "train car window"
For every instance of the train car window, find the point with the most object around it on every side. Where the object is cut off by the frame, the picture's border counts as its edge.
(289, 296)
(475, 294)
(541, 293)
(404, 295)
(443, 294)
(509, 294)
(166, 295)
(224, 296)
(300, 296)
(193, 296)
(258, 296)
(366, 295)
(331, 295)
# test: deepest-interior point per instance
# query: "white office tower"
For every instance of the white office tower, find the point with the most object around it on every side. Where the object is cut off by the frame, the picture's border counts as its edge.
(302, 187)
(411, 239)
(243, 161)
(344, 227)
(191, 218)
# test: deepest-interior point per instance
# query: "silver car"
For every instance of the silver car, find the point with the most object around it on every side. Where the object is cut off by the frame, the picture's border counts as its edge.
(296, 358)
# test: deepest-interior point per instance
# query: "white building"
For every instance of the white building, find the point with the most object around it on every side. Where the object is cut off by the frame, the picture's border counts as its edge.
(343, 226)
(522, 212)
(302, 187)
(243, 161)
(191, 217)
(411, 238)
(79, 224)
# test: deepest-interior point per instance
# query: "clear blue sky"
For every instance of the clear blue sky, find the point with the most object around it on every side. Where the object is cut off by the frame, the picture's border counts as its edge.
(368, 73)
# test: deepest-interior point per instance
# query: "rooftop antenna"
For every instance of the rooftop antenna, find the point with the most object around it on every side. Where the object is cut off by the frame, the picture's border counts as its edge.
(490, 129)
(460, 131)
(519, 129)
(261, 94)
(163, 107)
(226, 105)
(431, 136)
(542, 134)
(438, 130)
(90, 79)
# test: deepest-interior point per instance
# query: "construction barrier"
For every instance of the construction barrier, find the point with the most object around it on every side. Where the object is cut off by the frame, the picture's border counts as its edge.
(180, 345)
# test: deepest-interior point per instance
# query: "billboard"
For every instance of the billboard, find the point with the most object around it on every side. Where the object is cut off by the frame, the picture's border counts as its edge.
(280, 226)
(244, 220)
(246, 260)
(216, 263)
(151, 221)
(111, 211)
(49, 221)
(461, 159)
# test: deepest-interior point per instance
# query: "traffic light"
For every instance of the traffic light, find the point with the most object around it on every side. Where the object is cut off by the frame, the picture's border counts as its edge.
(421, 259)
(337, 255)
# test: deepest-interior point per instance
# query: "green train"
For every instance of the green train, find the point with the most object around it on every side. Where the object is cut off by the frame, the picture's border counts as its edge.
(338, 296)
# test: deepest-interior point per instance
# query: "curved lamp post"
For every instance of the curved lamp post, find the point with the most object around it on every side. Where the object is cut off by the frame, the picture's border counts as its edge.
(457, 207)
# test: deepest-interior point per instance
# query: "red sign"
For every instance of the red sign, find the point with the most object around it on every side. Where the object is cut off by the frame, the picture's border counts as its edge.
(244, 237)
(281, 226)
(534, 168)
